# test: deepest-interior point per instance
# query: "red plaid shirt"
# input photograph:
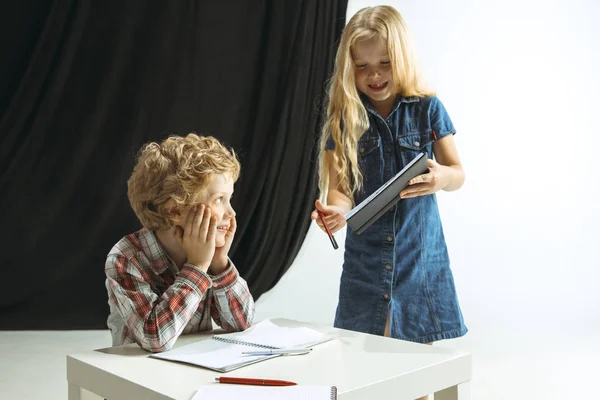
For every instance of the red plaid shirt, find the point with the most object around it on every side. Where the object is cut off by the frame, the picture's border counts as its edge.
(152, 302)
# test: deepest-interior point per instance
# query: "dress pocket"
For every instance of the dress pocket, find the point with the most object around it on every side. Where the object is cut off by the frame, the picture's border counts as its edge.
(416, 141)
(369, 156)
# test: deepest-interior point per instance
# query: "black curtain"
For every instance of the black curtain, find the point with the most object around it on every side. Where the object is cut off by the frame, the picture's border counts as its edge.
(86, 83)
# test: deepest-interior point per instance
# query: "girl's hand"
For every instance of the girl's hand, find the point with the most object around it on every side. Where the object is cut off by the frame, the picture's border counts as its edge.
(220, 259)
(334, 216)
(198, 237)
(437, 178)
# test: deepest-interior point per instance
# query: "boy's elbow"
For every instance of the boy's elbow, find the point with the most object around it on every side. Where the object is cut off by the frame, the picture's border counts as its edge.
(247, 322)
(155, 341)
(233, 324)
(157, 347)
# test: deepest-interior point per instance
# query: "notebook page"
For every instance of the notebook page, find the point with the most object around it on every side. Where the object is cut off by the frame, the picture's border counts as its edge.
(236, 392)
(211, 354)
(267, 334)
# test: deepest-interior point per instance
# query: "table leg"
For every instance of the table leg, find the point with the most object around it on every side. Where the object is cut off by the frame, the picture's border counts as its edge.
(74, 392)
(461, 391)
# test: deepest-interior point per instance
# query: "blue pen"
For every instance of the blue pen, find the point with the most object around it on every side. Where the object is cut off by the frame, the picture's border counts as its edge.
(297, 351)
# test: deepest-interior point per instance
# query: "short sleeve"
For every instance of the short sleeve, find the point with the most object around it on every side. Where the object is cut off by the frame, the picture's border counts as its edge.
(330, 143)
(439, 119)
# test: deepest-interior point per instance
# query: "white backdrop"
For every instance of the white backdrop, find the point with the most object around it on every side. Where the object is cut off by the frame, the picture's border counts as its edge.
(520, 82)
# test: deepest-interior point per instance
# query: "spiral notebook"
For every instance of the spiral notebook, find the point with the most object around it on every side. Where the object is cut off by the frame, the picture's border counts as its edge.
(232, 392)
(223, 352)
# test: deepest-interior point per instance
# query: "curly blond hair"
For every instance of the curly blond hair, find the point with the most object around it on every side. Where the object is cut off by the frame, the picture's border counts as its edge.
(347, 118)
(179, 168)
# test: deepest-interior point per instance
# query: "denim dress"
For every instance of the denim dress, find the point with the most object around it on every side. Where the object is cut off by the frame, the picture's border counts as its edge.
(400, 263)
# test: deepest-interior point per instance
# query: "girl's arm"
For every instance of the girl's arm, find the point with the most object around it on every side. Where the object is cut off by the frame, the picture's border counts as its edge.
(446, 155)
(337, 203)
(445, 172)
(334, 196)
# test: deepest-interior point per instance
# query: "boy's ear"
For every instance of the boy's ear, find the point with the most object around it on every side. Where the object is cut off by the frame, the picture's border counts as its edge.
(173, 211)
(174, 214)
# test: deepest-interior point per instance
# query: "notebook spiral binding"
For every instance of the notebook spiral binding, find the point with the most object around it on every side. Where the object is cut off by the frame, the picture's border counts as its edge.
(235, 341)
(334, 393)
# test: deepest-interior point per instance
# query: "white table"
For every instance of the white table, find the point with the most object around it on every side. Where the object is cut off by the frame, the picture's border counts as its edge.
(361, 366)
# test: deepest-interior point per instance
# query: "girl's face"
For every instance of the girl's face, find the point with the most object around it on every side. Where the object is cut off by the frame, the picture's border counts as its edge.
(372, 70)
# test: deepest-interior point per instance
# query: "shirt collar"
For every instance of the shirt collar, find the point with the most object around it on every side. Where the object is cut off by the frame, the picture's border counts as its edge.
(159, 259)
(399, 100)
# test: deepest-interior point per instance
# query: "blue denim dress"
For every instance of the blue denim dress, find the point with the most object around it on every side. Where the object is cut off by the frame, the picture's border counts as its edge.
(400, 262)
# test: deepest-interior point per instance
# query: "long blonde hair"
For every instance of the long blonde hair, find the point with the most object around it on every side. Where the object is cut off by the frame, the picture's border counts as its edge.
(347, 118)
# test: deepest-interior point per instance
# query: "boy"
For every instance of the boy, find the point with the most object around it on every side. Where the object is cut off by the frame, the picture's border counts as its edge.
(174, 274)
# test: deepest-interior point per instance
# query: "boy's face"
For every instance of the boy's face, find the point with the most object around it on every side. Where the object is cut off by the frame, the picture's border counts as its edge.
(372, 69)
(217, 197)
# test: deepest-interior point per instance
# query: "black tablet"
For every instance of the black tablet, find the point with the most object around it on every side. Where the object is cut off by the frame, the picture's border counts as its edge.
(384, 198)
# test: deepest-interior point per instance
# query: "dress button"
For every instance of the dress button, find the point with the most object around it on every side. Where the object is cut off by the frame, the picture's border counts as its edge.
(386, 296)
(388, 149)
(388, 266)
(362, 150)
(417, 144)
(389, 238)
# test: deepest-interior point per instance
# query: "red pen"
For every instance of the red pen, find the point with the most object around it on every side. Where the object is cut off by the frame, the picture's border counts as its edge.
(333, 242)
(254, 381)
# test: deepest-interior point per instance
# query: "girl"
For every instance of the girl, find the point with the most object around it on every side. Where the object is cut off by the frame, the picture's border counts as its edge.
(396, 278)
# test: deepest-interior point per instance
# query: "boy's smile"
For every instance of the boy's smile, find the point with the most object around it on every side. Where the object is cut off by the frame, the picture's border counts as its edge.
(217, 197)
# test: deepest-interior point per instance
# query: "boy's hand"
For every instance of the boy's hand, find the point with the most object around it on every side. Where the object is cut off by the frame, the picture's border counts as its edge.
(198, 237)
(220, 259)
(428, 183)
(334, 216)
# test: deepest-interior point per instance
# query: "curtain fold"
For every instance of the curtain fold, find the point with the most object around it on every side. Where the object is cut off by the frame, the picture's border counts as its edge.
(90, 82)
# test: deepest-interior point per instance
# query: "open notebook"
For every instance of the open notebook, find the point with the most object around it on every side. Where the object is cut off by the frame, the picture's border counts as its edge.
(223, 352)
(235, 392)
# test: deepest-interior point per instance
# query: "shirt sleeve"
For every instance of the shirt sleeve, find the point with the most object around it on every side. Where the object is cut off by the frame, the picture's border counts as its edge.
(155, 321)
(440, 121)
(233, 305)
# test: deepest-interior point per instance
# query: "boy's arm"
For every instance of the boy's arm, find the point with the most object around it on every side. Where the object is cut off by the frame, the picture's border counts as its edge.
(155, 321)
(232, 307)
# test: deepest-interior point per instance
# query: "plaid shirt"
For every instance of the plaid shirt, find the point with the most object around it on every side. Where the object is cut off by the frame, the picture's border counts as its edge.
(152, 302)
